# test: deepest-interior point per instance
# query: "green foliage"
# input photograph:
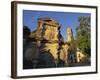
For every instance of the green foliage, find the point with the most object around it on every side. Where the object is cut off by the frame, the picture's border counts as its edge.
(83, 36)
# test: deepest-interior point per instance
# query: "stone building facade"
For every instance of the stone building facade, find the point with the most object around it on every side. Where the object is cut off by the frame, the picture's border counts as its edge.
(47, 47)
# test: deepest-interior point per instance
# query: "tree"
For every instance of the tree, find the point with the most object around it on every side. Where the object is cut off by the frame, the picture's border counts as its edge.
(26, 31)
(83, 34)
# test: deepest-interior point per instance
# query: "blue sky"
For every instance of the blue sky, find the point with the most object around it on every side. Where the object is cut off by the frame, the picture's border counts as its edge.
(65, 19)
